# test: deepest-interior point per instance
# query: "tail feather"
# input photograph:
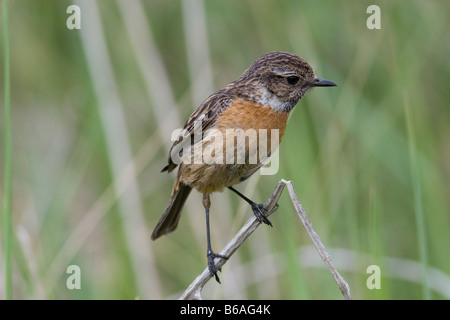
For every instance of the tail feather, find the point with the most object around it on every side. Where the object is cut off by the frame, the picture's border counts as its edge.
(169, 220)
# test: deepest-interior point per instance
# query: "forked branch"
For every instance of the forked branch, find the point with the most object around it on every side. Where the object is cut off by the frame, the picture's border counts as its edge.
(194, 289)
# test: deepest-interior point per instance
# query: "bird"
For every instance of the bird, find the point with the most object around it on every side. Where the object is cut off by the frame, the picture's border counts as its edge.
(261, 99)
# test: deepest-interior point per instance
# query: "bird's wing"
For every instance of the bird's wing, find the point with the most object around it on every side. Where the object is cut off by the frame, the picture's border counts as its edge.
(205, 116)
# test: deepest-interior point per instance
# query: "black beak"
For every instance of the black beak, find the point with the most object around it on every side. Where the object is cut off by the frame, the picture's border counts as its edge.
(323, 83)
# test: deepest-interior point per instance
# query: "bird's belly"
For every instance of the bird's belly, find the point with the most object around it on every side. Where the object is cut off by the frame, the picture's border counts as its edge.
(208, 178)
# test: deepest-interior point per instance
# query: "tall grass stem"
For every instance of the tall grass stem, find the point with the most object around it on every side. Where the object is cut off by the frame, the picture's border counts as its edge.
(418, 202)
(7, 154)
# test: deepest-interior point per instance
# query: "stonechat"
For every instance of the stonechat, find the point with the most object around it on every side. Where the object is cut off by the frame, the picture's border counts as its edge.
(260, 99)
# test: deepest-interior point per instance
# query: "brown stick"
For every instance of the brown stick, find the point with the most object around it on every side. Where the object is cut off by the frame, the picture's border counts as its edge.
(194, 289)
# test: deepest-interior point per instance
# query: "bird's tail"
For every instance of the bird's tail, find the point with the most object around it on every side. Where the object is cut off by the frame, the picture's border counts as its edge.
(169, 220)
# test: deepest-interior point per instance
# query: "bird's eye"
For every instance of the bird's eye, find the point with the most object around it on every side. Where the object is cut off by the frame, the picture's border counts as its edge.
(292, 80)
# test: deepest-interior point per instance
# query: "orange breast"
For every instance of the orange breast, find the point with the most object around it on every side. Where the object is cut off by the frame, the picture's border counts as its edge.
(250, 115)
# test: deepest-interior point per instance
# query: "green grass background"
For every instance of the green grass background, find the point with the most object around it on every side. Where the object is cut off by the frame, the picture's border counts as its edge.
(370, 159)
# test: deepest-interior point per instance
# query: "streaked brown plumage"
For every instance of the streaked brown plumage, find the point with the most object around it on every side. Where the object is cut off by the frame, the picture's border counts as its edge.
(261, 98)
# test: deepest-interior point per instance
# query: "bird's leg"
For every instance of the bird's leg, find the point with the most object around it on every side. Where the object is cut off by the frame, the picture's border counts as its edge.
(209, 252)
(258, 209)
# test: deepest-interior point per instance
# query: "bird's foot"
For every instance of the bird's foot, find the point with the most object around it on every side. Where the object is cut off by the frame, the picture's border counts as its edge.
(259, 212)
(212, 266)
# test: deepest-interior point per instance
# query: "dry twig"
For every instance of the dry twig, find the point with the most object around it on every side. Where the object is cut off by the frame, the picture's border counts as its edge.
(194, 289)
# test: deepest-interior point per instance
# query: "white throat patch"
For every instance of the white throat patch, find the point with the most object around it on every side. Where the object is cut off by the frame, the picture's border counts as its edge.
(270, 99)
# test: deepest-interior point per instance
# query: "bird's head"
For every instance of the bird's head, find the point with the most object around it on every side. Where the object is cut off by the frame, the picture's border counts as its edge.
(279, 79)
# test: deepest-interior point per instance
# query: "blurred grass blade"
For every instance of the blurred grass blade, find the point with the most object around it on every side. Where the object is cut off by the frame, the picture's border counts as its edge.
(418, 203)
(7, 154)
(197, 49)
(151, 64)
(114, 126)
